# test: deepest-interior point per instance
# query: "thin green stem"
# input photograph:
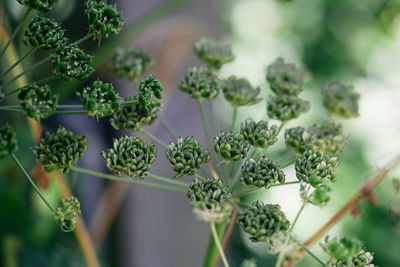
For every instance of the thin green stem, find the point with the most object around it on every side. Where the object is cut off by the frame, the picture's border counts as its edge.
(212, 251)
(214, 117)
(127, 180)
(297, 216)
(167, 127)
(254, 190)
(42, 81)
(309, 251)
(226, 172)
(218, 244)
(18, 61)
(279, 261)
(235, 111)
(205, 127)
(32, 182)
(167, 180)
(84, 38)
(14, 34)
(155, 139)
(288, 164)
(69, 106)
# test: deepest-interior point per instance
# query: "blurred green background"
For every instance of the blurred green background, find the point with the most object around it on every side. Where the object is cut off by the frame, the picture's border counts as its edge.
(352, 41)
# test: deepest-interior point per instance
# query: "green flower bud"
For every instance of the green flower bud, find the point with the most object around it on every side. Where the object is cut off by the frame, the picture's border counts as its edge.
(261, 172)
(297, 139)
(286, 107)
(340, 99)
(44, 33)
(213, 54)
(142, 109)
(39, 5)
(72, 63)
(259, 134)
(342, 250)
(130, 63)
(285, 78)
(239, 92)
(131, 156)
(263, 222)
(209, 200)
(201, 83)
(8, 140)
(58, 151)
(104, 20)
(319, 196)
(328, 137)
(67, 212)
(363, 259)
(100, 99)
(186, 156)
(37, 101)
(314, 167)
(231, 146)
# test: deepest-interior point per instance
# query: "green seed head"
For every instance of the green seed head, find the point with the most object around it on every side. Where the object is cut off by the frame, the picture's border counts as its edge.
(286, 107)
(130, 63)
(44, 33)
(342, 250)
(263, 222)
(209, 200)
(67, 212)
(131, 156)
(213, 54)
(239, 92)
(328, 136)
(8, 140)
(104, 20)
(285, 78)
(100, 99)
(340, 99)
(319, 196)
(201, 83)
(58, 151)
(314, 167)
(39, 5)
(261, 172)
(37, 101)
(231, 146)
(259, 134)
(186, 156)
(297, 139)
(71, 62)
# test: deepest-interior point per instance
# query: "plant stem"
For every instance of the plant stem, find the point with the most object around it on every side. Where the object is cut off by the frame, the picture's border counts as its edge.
(235, 110)
(205, 127)
(32, 182)
(18, 61)
(45, 80)
(218, 244)
(59, 112)
(155, 139)
(254, 190)
(297, 216)
(228, 234)
(167, 127)
(212, 251)
(84, 38)
(167, 180)
(279, 261)
(309, 251)
(69, 106)
(126, 180)
(14, 34)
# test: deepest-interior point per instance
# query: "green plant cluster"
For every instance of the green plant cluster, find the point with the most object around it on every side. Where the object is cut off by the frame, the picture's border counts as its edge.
(38, 102)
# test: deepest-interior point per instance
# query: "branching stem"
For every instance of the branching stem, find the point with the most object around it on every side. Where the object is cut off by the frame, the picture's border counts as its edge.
(218, 244)
(155, 139)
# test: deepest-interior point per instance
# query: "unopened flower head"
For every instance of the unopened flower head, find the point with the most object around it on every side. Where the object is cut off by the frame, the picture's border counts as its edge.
(37, 101)
(232, 146)
(286, 107)
(201, 83)
(340, 99)
(341, 250)
(67, 212)
(259, 134)
(239, 92)
(8, 140)
(261, 172)
(328, 136)
(213, 54)
(44, 33)
(318, 195)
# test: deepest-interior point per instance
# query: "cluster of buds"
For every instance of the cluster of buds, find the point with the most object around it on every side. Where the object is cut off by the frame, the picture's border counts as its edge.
(130, 63)
(8, 140)
(213, 54)
(142, 109)
(103, 19)
(72, 63)
(340, 99)
(44, 33)
(100, 99)
(263, 222)
(186, 156)
(261, 172)
(201, 83)
(209, 198)
(58, 151)
(286, 107)
(67, 212)
(239, 92)
(37, 101)
(131, 156)
(319, 195)
(39, 5)
(232, 146)
(259, 134)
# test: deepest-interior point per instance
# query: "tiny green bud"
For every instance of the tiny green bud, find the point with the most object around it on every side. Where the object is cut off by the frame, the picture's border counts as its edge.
(319, 196)
(131, 156)
(209, 198)
(213, 54)
(340, 99)
(297, 139)
(39, 5)
(67, 212)
(259, 134)
(8, 140)
(239, 92)
(100, 99)
(286, 107)
(261, 172)
(37, 101)
(58, 151)
(44, 33)
(342, 250)
(201, 83)
(328, 136)
(231, 146)
(186, 156)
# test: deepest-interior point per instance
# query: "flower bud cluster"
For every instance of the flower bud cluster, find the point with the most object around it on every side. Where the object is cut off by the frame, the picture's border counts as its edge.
(67, 212)
(239, 92)
(201, 83)
(37, 101)
(261, 172)
(232, 146)
(345, 252)
(340, 99)
(286, 107)
(8, 140)
(259, 134)
(213, 54)
(44, 33)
